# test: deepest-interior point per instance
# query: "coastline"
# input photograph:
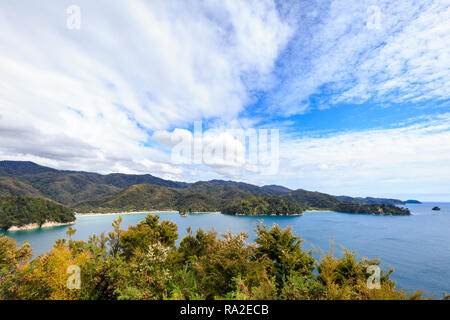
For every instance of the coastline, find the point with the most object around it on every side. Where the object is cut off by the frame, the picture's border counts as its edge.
(90, 214)
(265, 215)
(202, 212)
(35, 226)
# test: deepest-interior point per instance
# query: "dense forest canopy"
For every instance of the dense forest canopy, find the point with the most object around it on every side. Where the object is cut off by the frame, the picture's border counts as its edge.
(265, 205)
(382, 209)
(19, 211)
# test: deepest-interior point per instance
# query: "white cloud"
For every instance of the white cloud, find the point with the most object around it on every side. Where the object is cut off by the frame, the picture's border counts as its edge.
(94, 95)
(413, 158)
(340, 59)
(107, 97)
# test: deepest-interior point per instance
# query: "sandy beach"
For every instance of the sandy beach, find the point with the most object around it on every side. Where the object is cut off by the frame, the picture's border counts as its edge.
(34, 226)
(121, 213)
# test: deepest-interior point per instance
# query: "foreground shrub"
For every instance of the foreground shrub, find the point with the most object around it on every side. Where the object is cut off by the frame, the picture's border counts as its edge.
(143, 262)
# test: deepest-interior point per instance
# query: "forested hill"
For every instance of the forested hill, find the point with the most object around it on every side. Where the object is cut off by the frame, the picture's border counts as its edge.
(20, 211)
(265, 205)
(67, 187)
(86, 191)
(370, 200)
(204, 197)
(378, 209)
(196, 198)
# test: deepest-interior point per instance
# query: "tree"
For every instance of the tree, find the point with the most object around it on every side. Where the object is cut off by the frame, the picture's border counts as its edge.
(284, 250)
(147, 232)
(11, 257)
(70, 232)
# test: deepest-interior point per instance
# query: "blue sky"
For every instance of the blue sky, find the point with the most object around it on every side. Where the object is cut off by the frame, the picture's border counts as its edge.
(359, 90)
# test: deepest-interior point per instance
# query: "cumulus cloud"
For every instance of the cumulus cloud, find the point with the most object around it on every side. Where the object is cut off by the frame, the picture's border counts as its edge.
(131, 69)
(414, 157)
(121, 92)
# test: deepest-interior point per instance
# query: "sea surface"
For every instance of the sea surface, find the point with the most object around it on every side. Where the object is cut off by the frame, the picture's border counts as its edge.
(416, 246)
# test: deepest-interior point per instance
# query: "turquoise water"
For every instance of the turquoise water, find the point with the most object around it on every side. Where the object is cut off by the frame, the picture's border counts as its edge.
(416, 246)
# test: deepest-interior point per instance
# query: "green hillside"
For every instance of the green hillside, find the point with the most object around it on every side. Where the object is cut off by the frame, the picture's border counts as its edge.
(92, 192)
(369, 200)
(19, 211)
(150, 197)
(14, 187)
(379, 209)
(265, 205)
(67, 187)
(135, 198)
(310, 199)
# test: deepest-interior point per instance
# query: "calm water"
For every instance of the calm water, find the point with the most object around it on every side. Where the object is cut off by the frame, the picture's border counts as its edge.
(416, 246)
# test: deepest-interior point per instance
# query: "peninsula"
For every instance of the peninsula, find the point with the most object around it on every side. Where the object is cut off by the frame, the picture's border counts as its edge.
(28, 213)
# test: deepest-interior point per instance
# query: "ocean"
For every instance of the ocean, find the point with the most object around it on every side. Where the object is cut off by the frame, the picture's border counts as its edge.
(416, 246)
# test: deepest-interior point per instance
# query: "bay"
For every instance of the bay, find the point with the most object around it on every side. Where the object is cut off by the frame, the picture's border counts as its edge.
(416, 246)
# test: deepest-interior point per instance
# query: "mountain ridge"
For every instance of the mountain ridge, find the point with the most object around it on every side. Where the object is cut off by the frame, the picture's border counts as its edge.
(89, 190)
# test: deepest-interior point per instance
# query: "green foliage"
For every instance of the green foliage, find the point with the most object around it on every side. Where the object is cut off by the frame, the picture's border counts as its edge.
(143, 262)
(381, 209)
(371, 200)
(19, 211)
(284, 251)
(265, 205)
(91, 192)
(311, 199)
(297, 287)
(141, 237)
(12, 258)
(317, 200)
(134, 198)
(345, 278)
(67, 187)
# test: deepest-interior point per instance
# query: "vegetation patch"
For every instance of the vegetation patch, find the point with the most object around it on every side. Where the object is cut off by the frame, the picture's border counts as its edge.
(22, 210)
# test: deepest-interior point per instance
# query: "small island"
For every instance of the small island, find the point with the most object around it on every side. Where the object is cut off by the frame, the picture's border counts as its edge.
(377, 209)
(28, 213)
(436, 208)
(263, 205)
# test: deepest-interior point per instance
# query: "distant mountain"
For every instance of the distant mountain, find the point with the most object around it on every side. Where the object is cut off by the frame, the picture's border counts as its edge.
(142, 197)
(310, 199)
(21, 168)
(276, 190)
(249, 188)
(413, 201)
(15, 187)
(86, 191)
(370, 200)
(223, 192)
(67, 187)
(136, 197)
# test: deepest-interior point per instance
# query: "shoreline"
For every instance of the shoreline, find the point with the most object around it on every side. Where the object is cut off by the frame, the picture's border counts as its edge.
(264, 215)
(202, 212)
(90, 214)
(35, 226)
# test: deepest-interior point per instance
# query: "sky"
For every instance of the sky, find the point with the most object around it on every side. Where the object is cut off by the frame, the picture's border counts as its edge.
(358, 91)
